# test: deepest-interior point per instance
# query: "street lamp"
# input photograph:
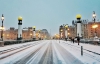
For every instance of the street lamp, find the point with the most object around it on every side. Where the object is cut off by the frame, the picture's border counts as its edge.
(31, 35)
(34, 36)
(66, 35)
(94, 16)
(2, 19)
(39, 35)
(94, 27)
(79, 31)
(2, 28)
(61, 33)
(19, 37)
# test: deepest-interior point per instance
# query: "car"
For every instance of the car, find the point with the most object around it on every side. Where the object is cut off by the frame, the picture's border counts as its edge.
(82, 40)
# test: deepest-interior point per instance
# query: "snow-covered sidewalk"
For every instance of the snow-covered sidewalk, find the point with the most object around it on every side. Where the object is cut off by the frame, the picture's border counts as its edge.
(15, 45)
(88, 57)
(91, 47)
(15, 57)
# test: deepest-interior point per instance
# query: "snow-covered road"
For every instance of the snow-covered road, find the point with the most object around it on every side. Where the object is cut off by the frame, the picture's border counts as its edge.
(50, 52)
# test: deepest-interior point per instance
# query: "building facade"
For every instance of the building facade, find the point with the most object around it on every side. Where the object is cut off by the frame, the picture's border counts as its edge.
(72, 30)
(84, 28)
(27, 33)
(91, 30)
(87, 29)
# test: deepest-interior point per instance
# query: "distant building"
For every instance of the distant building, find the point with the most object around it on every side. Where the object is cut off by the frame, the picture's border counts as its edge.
(27, 33)
(45, 34)
(91, 31)
(72, 30)
(63, 31)
(87, 30)
(84, 26)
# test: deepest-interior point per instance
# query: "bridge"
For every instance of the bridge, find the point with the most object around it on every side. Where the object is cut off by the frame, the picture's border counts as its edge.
(50, 52)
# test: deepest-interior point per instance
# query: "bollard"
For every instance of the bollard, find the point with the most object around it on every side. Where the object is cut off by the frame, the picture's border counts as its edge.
(59, 41)
(81, 50)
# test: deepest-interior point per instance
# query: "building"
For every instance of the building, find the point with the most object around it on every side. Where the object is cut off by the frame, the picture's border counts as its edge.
(84, 27)
(87, 29)
(72, 30)
(91, 30)
(62, 31)
(27, 33)
(45, 34)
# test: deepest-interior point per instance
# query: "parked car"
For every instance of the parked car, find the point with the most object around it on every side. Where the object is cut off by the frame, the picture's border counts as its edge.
(82, 40)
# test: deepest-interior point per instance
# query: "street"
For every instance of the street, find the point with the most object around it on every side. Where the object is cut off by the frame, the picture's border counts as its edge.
(46, 52)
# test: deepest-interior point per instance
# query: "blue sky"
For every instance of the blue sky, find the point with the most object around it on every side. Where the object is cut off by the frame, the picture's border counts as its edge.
(48, 14)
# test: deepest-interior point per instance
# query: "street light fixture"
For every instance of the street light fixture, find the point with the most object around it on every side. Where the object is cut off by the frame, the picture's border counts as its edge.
(34, 36)
(19, 36)
(79, 27)
(94, 16)
(39, 35)
(79, 31)
(66, 35)
(94, 26)
(2, 28)
(61, 33)
(31, 35)
(2, 19)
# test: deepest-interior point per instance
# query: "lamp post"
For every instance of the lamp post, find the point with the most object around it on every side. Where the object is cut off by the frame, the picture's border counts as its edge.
(39, 35)
(2, 19)
(19, 28)
(61, 33)
(79, 31)
(34, 36)
(94, 16)
(31, 35)
(66, 35)
(94, 26)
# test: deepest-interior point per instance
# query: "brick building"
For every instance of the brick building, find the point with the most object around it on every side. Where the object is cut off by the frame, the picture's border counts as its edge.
(91, 31)
(87, 30)
(27, 33)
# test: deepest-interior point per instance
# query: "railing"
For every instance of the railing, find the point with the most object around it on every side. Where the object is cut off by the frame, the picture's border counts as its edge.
(10, 42)
(82, 49)
(91, 42)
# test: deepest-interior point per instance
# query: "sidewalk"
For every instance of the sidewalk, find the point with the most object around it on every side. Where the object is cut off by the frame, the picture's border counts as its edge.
(14, 45)
(88, 57)
(91, 47)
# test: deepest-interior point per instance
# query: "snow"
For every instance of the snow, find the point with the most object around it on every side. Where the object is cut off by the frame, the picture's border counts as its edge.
(37, 57)
(88, 57)
(74, 49)
(61, 60)
(15, 45)
(19, 55)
